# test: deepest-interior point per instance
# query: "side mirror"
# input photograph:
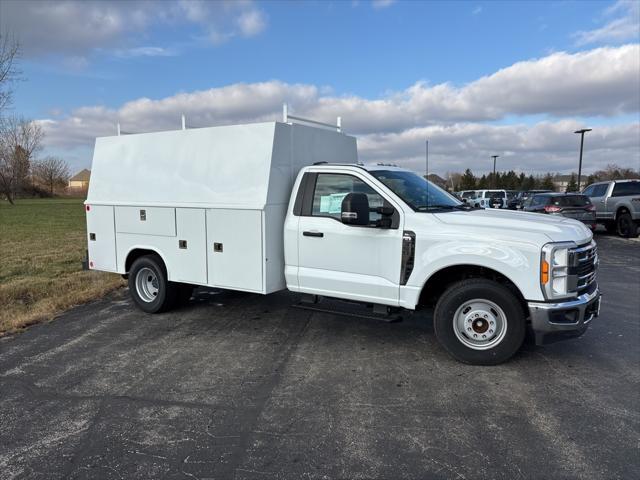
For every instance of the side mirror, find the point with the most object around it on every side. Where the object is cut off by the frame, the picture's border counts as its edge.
(355, 209)
(385, 211)
(384, 222)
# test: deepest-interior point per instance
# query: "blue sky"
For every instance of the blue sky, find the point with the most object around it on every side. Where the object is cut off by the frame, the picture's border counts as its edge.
(374, 52)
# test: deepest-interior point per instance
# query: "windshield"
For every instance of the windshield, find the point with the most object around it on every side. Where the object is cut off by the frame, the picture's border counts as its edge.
(571, 201)
(415, 190)
(468, 194)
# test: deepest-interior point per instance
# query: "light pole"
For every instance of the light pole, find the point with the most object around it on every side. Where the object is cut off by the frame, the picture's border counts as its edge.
(494, 170)
(581, 132)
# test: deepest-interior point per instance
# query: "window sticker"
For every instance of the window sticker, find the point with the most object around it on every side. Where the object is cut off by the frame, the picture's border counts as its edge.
(332, 203)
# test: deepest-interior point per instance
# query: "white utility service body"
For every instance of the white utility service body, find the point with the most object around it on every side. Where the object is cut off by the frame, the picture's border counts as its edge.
(268, 206)
(225, 187)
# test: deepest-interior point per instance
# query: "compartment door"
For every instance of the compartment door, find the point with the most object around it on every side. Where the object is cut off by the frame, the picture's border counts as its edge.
(234, 249)
(188, 259)
(101, 238)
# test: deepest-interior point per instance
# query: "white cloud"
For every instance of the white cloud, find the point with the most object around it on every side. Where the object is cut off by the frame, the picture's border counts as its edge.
(625, 27)
(78, 28)
(379, 4)
(477, 10)
(602, 82)
(252, 22)
(545, 146)
(146, 52)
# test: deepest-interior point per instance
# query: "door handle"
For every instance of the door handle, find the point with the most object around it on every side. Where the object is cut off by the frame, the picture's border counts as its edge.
(313, 234)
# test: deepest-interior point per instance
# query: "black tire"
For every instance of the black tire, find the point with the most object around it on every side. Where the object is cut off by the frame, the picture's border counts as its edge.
(165, 296)
(625, 226)
(480, 289)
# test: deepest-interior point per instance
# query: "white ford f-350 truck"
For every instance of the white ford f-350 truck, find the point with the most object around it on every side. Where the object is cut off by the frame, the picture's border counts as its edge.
(268, 206)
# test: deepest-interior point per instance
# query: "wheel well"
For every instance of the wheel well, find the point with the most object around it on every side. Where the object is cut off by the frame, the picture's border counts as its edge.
(442, 279)
(137, 253)
(621, 210)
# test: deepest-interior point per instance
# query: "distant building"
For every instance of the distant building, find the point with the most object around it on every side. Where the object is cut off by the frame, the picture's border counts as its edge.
(80, 181)
(560, 182)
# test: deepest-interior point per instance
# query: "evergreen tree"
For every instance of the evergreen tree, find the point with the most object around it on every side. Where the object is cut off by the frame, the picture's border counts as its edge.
(483, 183)
(547, 182)
(468, 180)
(572, 185)
(530, 183)
(522, 181)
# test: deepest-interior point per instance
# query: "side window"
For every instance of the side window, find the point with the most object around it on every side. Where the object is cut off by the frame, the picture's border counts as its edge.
(331, 188)
(589, 191)
(623, 189)
(600, 190)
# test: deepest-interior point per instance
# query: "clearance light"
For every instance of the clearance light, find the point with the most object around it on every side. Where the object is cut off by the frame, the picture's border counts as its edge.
(544, 272)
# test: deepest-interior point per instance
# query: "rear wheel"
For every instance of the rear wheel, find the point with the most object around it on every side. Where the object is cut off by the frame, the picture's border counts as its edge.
(148, 285)
(626, 227)
(480, 322)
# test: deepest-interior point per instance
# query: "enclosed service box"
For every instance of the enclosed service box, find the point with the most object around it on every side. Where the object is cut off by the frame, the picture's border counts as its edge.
(211, 202)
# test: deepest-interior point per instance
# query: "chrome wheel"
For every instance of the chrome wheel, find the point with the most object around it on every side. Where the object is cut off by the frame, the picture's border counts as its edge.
(480, 324)
(147, 284)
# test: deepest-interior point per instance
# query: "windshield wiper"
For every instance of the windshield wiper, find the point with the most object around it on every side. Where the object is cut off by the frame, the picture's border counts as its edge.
(439, 207)
(424, 208)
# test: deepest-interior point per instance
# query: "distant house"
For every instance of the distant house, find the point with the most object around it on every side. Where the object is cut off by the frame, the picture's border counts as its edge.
(560, 182)
(80, 181)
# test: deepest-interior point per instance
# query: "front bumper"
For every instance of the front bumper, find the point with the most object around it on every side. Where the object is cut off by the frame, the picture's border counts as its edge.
(551, 322)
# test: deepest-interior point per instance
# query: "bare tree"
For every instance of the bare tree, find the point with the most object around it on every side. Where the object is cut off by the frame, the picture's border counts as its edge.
(51, 172)
(20, 139)
(9, 51)
(454, 179)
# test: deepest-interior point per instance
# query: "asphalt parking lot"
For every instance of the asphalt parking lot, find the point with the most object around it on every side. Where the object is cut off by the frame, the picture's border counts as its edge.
(243, 386)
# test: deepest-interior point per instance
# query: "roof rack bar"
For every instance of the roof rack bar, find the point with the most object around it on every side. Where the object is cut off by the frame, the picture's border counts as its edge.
(286, 118)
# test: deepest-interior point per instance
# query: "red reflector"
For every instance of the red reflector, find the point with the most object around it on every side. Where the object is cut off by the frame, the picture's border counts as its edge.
(591, 208)
(88, 207)
(91, 264)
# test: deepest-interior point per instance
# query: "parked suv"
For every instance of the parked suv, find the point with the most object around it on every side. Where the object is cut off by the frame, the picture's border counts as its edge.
(570, 205)
(489, 199)
(617, 204)
(518, 200)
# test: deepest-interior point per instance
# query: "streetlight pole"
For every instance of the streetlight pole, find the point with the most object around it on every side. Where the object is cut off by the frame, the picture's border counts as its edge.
(581, 132)
(495, 184)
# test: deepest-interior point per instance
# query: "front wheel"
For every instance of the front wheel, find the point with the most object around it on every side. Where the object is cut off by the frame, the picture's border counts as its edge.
(479, 321)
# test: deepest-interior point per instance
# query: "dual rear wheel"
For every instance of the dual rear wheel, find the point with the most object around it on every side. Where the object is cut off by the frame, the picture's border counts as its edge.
(150, 289)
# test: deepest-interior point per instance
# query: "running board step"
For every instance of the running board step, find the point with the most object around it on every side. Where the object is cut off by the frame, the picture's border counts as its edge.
(348, 309)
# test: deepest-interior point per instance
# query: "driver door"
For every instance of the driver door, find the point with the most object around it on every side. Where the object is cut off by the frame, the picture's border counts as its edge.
(357, 262)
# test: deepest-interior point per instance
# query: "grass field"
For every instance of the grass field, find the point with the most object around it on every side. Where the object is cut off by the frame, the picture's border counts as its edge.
(42, 245)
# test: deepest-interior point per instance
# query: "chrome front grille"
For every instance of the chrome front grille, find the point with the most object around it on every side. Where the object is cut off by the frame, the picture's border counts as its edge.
(584, 266)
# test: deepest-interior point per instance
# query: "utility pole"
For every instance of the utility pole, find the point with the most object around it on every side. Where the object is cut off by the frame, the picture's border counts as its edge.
(495, 184)
(427, 169)
(581, 132)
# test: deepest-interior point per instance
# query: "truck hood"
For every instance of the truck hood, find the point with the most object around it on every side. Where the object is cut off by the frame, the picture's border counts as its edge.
(555, 227)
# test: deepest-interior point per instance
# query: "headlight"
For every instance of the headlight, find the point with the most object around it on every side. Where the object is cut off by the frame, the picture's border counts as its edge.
(554, 270)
